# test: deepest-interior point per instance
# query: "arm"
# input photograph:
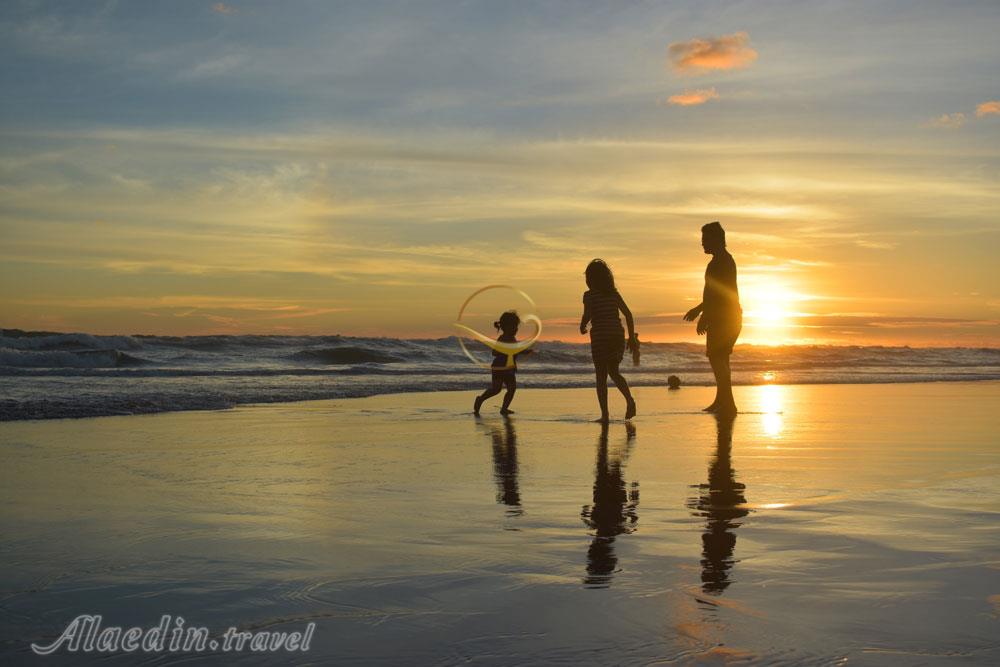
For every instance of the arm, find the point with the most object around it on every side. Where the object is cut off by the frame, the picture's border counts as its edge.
(585, 320)
(629, 321)
(692, 314)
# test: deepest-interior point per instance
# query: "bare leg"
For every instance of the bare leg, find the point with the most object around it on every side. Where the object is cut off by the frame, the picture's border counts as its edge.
(716, 371)
(727, 402)
(494, 389)
(601, 371)
(622, 385)
(724, 401)
(511, 383)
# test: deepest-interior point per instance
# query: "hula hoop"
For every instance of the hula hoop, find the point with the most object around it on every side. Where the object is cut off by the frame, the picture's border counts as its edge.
(509, 349)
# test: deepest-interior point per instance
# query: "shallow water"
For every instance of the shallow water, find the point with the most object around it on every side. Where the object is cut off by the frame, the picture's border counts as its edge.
(53, 376)
(826, 525)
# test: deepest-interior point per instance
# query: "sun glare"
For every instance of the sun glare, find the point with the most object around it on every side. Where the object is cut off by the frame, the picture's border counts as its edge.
(769, 311)
(772, 401)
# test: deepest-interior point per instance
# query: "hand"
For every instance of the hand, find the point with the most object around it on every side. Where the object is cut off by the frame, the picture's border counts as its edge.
(690, 315)
(631, 343)
(702, 326)
(583, 329)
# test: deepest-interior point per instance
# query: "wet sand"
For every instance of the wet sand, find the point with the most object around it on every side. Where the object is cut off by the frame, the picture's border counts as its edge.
(845, 524)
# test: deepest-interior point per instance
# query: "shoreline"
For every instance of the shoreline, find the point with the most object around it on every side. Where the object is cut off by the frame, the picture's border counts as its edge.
(522, 388)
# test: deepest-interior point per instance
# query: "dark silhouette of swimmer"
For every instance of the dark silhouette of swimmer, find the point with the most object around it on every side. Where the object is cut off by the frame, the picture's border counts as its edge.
(505, 466)
(613, 512)
(721, 314)
(722, 503)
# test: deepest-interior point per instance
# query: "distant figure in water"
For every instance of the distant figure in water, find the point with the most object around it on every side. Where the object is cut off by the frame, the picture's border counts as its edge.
(503, 376)
(721, 315)
(601, 303)
(673, 382)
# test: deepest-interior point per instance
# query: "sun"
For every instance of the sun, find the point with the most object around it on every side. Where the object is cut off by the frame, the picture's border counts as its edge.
(770, 308)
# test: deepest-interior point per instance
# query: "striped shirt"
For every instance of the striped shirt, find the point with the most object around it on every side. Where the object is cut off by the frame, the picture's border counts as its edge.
(603, 307)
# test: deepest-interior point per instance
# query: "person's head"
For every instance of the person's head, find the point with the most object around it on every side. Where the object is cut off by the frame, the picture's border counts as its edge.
(713, 238)
(674, 382)
(599, 276)
(508, 322)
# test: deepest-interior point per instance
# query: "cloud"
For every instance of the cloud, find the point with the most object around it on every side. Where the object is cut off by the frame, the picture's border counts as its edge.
(951, 121)
(211, 68)
(690, 98)
(988, 108)
(223, 8)
(704, 54)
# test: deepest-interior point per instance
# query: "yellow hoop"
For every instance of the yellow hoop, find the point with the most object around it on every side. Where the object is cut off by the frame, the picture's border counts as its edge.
(509, 349)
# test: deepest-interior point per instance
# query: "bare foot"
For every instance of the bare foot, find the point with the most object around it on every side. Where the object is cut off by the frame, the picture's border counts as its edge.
(605, 419)
(506, 411)
(630, 410)
(478, 404)
(726, 409)
(714, 407)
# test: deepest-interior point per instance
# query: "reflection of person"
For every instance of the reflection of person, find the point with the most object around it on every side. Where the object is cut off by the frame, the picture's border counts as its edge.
(503, 375)
(613, 512)
(721, 315)
(601, 303)
(722, 503)
(505, 467)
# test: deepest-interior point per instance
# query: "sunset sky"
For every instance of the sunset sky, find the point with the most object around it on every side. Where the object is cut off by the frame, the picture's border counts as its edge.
(360, 168)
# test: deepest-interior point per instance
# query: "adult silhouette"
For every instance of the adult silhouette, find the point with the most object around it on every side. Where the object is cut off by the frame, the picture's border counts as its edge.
(613, 512)
(721, 316)
(721, 501)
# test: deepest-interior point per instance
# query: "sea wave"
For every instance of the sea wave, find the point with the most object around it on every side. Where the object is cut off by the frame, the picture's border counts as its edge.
(28, 340)
(69, 359)
(345, 355)
(50, 374)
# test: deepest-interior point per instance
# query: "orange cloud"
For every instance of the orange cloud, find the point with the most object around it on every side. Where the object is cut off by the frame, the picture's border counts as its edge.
(223, 8)
(704, 54)
(952, 121)
(987, 108)
(690, 98)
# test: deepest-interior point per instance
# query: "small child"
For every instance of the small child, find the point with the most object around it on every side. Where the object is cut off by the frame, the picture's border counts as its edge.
(503, 376)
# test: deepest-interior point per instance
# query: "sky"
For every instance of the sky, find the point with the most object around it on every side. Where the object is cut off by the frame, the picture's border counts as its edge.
(360, 168)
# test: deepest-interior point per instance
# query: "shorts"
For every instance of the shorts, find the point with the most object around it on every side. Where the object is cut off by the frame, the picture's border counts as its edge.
(607, 350)
(720, 338)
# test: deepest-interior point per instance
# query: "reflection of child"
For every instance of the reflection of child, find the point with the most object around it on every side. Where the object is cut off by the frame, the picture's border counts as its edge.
(503, 376)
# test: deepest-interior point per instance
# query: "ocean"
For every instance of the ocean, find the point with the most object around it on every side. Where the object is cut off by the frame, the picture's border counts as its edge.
(59, 375)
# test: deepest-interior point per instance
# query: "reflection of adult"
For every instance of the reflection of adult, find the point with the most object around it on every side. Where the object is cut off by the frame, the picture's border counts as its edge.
(613, 512)
(722, 503)
(721, 315)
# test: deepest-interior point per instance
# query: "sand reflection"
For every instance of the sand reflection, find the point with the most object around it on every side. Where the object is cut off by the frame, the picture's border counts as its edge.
(613, 511)
(722, 502)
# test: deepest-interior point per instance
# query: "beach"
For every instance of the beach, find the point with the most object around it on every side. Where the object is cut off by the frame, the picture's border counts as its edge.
(826, 524)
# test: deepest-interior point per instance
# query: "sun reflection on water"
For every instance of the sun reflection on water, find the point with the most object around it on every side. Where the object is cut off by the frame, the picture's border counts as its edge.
(772, 400)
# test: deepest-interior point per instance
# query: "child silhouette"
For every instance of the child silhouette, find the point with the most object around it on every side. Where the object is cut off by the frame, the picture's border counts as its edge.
(503, 375)
(601, 304)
